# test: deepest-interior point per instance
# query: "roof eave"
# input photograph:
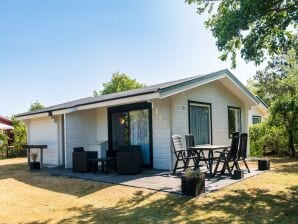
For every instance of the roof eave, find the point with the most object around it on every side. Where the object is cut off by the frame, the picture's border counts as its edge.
(111, 102)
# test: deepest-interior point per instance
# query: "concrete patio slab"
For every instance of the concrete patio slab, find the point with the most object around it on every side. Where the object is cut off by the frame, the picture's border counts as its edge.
(149, 179)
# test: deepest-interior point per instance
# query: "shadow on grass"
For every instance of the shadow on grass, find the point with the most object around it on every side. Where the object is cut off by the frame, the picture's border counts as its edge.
(285, 165)
(256, 206)
(71, 186)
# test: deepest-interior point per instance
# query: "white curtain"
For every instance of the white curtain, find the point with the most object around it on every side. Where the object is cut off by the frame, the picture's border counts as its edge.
(200, 124)
(139, 132)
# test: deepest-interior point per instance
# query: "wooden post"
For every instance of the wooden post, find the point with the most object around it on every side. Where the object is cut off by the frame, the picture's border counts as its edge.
(28, 156)
(41, 157)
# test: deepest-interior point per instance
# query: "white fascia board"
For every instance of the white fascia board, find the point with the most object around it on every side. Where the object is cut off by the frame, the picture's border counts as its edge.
(58, 112)
(253, 102)
(180, 89)
(65, 111)
(26, 117)
(126, 100)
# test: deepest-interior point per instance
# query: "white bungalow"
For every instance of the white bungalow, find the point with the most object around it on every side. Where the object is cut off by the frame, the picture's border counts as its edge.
(210, 106)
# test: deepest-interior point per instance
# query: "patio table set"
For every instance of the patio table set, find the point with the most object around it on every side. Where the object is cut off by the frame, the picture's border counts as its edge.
(126, 160)
(194, 155)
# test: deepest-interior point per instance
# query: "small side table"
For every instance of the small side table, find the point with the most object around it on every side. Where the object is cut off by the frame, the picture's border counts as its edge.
(41, 147)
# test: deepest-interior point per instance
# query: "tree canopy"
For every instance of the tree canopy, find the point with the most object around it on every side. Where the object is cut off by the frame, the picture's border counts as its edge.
(19, 133)
(284, 108)
(266, 83)
(119, 82)
(278, 85)
(36, 106)
(253, 27)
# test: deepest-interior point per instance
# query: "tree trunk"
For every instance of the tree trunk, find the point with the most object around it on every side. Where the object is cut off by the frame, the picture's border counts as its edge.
(291, 144)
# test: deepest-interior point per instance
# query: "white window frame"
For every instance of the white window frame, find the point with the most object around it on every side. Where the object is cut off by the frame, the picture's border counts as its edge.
(237, 126)
(207, 105)
(256, 116)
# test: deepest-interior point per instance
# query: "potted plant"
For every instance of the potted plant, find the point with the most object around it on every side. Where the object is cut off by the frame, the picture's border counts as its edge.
(34, 165)
(193, 182)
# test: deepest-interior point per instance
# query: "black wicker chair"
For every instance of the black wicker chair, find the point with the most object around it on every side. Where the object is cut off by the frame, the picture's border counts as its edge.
(242, 154)
(82, 160)
(129, 159)
(229, 156)
(182, 155)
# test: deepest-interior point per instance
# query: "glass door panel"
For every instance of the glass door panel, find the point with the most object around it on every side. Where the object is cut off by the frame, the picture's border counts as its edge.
(120, 130)
(139, 132)
(131, 128)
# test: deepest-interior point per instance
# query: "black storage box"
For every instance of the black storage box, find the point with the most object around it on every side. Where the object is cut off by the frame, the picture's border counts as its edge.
(264, 164)
(238, 174)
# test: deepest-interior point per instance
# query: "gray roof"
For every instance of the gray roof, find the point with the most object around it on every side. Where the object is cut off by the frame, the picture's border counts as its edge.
(141, 91)
(262, 101)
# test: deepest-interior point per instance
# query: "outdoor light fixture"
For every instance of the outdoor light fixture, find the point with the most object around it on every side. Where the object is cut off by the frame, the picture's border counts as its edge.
(121, 119)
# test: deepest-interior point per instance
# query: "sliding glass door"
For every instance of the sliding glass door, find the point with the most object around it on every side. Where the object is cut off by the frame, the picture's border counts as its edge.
(139, 132)
(131, 125)
(200, 122)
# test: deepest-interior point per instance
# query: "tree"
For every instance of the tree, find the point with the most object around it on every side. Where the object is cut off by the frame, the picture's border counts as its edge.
(284, 109)
(278, 85)
(19, 133)
(265, 83)
(3, 138)
(253, 27)
(36, 106)
(119, 82)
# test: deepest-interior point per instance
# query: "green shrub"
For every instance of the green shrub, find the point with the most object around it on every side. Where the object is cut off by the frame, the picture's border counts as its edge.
(267, 140)
(3, 138)
(20, 133)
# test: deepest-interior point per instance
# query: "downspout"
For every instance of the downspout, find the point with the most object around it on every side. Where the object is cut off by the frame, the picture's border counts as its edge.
(171, 133)
(64, 141)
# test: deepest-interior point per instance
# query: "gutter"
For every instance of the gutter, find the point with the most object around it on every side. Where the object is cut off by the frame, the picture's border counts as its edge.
(49, 112)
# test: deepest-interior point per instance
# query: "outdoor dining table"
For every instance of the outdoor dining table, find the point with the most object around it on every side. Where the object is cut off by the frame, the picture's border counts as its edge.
(211, 149)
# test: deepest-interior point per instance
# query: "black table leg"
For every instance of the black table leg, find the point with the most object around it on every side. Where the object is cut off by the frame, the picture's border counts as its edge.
(107, 166)
(93, 167)
(102, 166)
(210, 161)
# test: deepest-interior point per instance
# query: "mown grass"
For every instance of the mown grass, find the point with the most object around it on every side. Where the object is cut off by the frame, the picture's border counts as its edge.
(32, 197)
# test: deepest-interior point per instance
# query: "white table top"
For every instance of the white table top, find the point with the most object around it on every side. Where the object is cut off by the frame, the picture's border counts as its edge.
(210, 147)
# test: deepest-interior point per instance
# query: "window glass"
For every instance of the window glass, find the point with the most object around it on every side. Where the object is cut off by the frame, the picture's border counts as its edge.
(234, 118)
(256, 119)
(200, 123)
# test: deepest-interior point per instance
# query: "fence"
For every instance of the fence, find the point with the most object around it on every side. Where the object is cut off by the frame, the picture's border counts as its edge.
(11, 152)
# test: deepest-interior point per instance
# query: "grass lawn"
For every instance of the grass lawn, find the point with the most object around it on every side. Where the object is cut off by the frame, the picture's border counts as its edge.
(30, 197)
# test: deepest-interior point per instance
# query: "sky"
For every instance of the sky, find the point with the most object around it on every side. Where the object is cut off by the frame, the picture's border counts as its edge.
(56, 51)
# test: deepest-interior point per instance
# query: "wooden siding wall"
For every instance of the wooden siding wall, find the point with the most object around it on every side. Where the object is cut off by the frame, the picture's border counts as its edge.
(161, 128)
(220, 98)
(43, 131)
(81, 129)
(102, 124)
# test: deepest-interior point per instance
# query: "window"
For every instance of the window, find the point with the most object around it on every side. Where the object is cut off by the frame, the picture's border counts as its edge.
(256, 119)
(234, 117)
(200, 122)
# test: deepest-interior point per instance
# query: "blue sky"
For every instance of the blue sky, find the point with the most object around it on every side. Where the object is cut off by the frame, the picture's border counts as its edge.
(60, 50)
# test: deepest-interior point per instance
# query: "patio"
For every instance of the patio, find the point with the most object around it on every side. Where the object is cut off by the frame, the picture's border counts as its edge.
(149, 179)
